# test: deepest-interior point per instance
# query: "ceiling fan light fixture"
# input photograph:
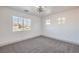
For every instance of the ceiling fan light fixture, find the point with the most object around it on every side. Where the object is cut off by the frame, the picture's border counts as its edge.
(40, 9)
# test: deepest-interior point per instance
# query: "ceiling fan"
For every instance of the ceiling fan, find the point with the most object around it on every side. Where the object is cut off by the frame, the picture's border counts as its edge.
(40, 8)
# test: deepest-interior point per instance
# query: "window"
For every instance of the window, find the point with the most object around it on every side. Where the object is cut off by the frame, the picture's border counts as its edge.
(61, 20)
(21, 24)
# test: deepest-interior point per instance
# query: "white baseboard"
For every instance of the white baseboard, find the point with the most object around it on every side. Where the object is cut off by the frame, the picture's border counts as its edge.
(71, 42)
(11, 42)
(15, 41)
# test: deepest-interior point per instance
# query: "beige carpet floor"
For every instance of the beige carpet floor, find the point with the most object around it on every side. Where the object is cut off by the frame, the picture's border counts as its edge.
(40, 45)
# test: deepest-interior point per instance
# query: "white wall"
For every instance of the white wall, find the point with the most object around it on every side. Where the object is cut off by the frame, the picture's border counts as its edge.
(6, 34)
(67, 32)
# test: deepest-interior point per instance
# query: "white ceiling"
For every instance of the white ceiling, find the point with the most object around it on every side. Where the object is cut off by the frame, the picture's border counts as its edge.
(47, 9)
